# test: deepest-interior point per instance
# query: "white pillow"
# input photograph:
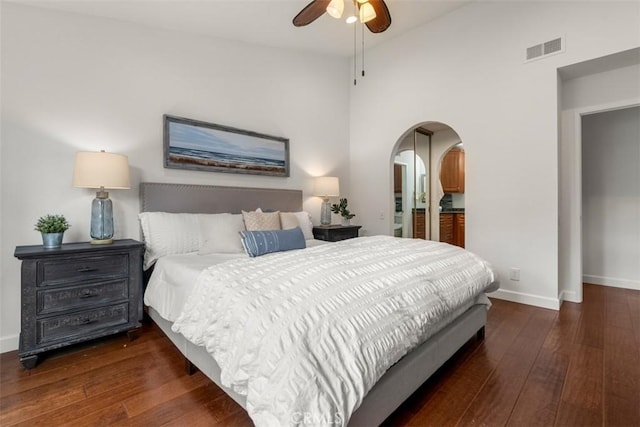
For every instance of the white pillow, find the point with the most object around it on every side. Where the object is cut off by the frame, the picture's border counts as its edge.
(302, 219)
(169, 233)
(221, 233)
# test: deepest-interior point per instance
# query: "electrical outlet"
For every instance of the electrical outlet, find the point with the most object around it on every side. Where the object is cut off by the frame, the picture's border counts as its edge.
(514, 274)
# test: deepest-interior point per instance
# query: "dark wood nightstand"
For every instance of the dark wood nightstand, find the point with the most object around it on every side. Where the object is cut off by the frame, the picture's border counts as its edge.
(335, 232)
(77, 293)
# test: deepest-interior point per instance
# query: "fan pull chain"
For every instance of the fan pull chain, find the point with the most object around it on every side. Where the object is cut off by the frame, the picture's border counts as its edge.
(355, 55)
(362, 50)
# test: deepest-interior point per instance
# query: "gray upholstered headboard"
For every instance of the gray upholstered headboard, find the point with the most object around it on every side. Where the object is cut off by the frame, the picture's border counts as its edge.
(188, 198)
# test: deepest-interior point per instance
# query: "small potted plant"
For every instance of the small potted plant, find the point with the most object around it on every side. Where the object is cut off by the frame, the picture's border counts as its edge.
(341, 208)
(52, 228)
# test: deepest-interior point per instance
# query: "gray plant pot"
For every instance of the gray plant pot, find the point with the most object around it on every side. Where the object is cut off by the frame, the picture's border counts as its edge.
(52, 240)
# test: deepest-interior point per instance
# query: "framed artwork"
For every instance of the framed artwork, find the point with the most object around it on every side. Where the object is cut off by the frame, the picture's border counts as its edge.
(196, 145)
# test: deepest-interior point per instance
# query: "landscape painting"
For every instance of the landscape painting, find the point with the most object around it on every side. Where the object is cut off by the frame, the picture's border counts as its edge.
(192, 144)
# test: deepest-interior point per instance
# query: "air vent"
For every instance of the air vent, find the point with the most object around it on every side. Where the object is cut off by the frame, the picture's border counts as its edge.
(534, 52)
(545, 49)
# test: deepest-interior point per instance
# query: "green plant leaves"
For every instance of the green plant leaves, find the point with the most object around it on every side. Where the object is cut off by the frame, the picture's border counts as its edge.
(52, 224)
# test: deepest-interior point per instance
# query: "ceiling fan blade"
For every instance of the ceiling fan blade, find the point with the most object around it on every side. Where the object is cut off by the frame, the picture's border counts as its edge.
(382, 20)
(311, 12)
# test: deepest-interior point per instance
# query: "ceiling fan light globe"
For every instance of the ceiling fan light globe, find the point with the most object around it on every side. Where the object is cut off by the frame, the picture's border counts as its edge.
(362, 1)
(351, 19)
(335, 8)
(367, 13)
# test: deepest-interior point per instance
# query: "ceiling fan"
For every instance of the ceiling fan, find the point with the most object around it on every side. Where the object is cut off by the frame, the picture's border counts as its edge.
(373, 13)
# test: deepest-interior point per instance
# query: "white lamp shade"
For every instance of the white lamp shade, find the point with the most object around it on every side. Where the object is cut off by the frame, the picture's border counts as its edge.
(367, 13)
(335, 8)
(101, 169)
(327, 186)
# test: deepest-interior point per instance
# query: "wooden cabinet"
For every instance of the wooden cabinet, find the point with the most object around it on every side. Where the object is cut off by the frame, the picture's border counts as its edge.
(446, 227)
(459, 231)
(76, 293)
(397, 178)
(452, 171)
(452, 228)
(419, 224)
(335, 233)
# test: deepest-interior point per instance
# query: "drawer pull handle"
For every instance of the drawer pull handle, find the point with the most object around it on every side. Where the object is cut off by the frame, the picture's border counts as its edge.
(86, 269)
(87, 294)
(86, 321)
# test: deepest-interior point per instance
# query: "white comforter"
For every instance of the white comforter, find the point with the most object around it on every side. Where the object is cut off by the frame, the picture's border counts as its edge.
(305, 334)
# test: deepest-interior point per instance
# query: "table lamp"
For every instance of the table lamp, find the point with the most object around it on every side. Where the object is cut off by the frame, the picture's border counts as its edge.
(101, 170)
(326, 186)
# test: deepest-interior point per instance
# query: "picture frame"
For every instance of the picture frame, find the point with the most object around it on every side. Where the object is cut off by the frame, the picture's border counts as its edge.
(197, 145)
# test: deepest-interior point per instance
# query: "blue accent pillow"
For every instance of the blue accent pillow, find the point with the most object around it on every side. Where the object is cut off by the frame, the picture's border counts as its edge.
(258, 243)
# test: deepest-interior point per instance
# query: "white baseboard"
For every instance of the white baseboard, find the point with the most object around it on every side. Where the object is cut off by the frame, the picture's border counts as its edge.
(612, 281)
(529, 299)
(569, 296)
(9, 343)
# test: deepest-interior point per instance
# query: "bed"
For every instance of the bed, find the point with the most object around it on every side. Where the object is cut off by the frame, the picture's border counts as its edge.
(390, 390)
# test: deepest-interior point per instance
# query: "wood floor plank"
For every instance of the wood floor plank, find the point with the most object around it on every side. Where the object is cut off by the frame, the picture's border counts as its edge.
(144, 373)
(563, 334)
(10, 368)
(538, 402)
(581, 403)
(144, 401)
(168, 359)
(433, 386)
(617, 315)
(193, 400)
(238, 419)
(495, 401)
(33, 402)
(454, 396)
(621, 384)
(222, 408)
(591, 331)
(633, 302)
(50, 371)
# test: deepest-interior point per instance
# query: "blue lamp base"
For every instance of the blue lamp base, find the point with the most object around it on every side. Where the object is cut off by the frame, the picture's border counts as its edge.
(101, 219)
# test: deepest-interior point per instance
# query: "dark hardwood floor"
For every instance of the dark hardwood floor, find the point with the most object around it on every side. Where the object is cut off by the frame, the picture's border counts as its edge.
(576, 367)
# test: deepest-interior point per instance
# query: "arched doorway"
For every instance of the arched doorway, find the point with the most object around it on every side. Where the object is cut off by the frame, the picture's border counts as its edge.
(423, 209)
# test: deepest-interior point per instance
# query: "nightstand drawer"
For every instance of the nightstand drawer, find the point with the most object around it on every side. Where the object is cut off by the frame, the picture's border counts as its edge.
(81, 323)
(335, 233)
(338, 235)
(55, 300)
(51, 272)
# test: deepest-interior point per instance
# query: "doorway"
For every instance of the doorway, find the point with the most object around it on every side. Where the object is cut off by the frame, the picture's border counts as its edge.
(585, 90)
(611, 198)
(417, 191)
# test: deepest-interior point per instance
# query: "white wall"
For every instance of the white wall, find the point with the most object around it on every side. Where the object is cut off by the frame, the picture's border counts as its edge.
(586, 93)
(470, 63)
(73, 82)
(611, 198)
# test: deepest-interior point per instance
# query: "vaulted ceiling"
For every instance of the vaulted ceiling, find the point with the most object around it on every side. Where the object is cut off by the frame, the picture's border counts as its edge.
(263, 22)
